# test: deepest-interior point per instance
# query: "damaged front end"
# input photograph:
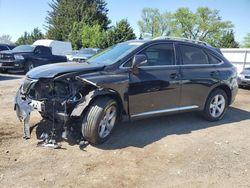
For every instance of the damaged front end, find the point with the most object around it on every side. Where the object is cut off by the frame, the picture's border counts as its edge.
(57, 99)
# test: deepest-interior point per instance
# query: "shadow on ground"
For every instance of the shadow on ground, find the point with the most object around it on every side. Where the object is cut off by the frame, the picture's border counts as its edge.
(4, 77)
(141, 133)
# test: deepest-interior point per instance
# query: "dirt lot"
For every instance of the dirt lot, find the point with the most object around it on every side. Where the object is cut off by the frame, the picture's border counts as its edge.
(173, 151)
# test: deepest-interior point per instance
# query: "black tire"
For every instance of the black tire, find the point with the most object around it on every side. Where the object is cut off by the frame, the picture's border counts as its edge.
(92, 118)
(28, 66)
(207, 112)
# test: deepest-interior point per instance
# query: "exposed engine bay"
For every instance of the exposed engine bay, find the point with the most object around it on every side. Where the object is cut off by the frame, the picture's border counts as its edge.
(54, 99)
(45, 95)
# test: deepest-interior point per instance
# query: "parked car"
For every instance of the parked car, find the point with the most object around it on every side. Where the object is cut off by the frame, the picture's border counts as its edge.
(26, 57)
(4, 47)
(130, 80)
(244, 77)
(70, 54)
(85, 54)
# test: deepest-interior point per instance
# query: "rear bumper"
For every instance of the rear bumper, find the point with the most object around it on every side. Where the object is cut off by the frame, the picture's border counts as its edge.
(234, 93)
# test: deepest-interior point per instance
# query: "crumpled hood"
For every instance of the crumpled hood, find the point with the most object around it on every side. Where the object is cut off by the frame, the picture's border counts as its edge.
(52, 70)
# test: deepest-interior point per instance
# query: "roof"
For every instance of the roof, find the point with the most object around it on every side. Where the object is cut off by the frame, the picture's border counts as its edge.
(182, 40)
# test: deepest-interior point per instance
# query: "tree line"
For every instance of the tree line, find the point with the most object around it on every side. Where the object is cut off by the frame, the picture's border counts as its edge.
(85, 23)
(82, 22)
(204, 25)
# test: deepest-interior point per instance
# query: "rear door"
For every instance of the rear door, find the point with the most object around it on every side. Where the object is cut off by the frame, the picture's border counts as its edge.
(198, 75)
(156, 87)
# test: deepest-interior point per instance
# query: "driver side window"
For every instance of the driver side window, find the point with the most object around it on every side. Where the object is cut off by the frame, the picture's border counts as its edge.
(160, 55)
(157, 55)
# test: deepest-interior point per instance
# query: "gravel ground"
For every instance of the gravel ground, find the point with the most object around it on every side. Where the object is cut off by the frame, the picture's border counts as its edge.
(180, 150)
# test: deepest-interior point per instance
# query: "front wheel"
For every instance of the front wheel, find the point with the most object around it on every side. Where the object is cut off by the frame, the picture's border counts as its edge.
(28, 66)
(216, 105)
(99, 121)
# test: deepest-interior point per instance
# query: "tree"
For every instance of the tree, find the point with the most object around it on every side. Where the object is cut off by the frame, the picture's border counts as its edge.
(5, 39)
(154, 24)
(64, 14)
(246, 42)
(121, 32)
(205, 24)
(30, 38)
(228, 41)
(75, 36)
(83, 35)
(92, 36)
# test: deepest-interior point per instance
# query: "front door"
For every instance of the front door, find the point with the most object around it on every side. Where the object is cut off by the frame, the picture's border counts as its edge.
(156, 86)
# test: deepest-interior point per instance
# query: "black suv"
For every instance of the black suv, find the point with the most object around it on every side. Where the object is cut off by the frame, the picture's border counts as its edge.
(131, 79)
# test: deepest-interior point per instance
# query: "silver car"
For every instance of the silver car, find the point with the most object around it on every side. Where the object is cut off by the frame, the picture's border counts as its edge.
(244, 77)
(84, 54)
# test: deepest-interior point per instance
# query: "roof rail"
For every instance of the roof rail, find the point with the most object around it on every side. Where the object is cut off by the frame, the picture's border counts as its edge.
(182, 39)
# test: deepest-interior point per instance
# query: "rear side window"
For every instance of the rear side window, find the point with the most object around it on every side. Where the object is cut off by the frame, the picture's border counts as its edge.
(160, 55)
(213, 59)
(193, 56)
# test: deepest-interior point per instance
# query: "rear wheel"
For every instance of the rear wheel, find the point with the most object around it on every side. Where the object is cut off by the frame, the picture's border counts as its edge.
(99, 121)
(216, 105)
(28, 66)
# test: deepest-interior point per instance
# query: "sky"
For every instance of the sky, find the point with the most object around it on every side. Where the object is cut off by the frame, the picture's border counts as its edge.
(18, 16)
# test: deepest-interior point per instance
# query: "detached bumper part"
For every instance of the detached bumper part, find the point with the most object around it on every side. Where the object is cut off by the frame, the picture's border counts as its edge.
(23, 110)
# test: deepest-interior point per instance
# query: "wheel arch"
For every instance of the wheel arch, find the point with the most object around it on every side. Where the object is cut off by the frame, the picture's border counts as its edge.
(93, 96)
(226, 89)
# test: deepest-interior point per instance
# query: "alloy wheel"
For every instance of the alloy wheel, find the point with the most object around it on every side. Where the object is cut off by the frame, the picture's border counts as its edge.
(217, 105)
(108, 121)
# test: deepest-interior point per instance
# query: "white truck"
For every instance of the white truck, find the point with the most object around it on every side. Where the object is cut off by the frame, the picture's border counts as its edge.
(57, 47)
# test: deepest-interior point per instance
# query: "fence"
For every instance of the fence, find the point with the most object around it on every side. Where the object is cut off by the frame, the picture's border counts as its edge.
(240, 57)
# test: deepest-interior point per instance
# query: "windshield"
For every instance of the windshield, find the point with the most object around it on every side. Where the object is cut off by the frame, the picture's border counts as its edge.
(114, 53)
(24, 48)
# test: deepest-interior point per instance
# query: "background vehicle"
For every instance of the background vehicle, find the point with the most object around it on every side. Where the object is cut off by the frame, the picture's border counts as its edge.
(26, 57)
(133, 79)
(244, 77)
(85, 54)
(70, 54)
(57, 47)
(4, 47)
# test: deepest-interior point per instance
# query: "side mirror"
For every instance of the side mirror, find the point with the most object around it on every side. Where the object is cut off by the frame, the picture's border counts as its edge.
(138, 60)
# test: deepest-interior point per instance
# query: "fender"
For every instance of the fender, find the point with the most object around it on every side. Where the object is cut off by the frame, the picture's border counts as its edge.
(83, 104)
